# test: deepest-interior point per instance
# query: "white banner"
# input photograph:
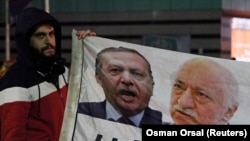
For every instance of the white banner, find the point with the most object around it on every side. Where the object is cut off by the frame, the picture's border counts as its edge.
(83, 87)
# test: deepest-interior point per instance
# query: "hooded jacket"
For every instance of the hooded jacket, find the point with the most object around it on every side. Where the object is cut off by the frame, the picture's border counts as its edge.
(33, 91)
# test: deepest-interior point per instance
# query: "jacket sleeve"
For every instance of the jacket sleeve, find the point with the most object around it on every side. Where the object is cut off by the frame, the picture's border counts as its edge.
(14, 116)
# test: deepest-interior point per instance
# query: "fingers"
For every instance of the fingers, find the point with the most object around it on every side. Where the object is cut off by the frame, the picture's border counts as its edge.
(83, 33)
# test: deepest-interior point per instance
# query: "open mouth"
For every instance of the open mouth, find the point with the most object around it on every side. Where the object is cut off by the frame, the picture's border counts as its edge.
(127, 93)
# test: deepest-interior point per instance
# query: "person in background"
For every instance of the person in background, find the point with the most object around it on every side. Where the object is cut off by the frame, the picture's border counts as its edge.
(33, 92)
(126, 78)
(203, 92)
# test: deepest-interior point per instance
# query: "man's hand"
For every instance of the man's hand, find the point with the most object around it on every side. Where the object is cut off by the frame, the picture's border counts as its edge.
(83, 33)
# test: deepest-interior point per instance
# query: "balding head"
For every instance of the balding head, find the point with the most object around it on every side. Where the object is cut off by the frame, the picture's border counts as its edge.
(208, 89)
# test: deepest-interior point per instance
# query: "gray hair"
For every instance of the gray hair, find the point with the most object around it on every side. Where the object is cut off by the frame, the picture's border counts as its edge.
(230, 83)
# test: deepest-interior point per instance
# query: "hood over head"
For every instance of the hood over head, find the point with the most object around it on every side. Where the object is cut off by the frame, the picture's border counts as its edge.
(26, 24)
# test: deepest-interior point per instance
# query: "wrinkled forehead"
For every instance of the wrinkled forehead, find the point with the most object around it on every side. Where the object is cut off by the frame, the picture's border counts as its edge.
(123, 56)
(201, 73)
(203, 80)
(128, 57)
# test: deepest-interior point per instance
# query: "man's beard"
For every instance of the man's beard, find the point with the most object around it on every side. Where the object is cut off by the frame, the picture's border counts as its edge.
(36, 55)
(49, 66)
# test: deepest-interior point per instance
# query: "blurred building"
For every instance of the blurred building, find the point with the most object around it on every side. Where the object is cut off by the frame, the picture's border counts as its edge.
(205, 23)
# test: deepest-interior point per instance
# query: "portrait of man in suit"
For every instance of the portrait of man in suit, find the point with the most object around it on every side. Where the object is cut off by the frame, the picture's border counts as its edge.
(126, 78)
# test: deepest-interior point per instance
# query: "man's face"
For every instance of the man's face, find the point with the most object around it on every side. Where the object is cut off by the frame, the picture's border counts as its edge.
(43, 40)
(197, 97)
(126, 81)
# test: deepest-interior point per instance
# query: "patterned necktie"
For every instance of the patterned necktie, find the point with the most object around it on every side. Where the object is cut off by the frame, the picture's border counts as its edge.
(125, 120)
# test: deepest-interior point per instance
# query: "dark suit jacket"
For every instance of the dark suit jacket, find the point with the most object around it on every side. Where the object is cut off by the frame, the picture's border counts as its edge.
(97, 109)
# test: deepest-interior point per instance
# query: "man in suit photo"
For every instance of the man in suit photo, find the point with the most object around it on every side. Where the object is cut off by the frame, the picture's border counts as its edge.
(126, 78)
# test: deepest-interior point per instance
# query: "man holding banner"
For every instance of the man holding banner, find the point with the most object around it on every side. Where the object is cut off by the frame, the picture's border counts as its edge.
(126, 78)
(203, 92)
(33, 92)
